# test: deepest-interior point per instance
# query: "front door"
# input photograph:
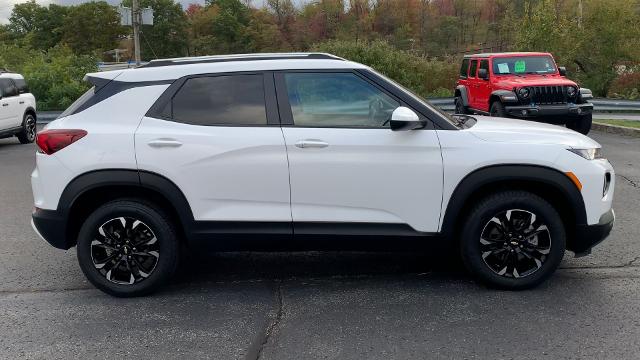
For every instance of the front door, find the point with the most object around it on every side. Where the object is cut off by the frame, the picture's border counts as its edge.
(346, 165)
(221, 145)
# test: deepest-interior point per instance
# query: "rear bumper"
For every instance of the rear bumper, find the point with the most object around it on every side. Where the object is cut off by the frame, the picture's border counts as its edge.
(50, 225)
(532, 111)
(588, 236)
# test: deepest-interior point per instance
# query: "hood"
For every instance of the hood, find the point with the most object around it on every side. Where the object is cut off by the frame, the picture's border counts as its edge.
(528, 132)
(532, 80)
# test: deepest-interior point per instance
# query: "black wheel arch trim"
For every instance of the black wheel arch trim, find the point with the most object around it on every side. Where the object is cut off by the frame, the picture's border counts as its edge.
(489, 175)
(500, 93)
(463, 94)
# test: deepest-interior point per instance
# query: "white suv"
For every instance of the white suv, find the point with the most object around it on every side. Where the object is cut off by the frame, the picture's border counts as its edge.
(305, 151)
(17, 108)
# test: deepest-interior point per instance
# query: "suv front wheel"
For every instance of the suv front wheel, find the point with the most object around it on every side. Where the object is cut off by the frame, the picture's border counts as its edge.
(581, 124)
(128, 248)
(513, 240)
(28, 133)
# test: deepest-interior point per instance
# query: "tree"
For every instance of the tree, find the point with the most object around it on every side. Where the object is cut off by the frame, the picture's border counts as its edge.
(92, 28)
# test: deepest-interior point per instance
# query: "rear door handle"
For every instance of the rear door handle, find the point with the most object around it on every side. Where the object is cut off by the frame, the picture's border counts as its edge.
(311, 143)
(5, 104)
(21, 102)
(160, 143)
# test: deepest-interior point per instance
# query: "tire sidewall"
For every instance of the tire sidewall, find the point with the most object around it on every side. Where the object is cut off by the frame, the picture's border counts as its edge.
(161, 228)
(470, 243)
(497, 109)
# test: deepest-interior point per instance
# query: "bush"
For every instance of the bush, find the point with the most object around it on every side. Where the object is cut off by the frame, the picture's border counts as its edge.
(626, 86)
(54, 77)
(426, 77)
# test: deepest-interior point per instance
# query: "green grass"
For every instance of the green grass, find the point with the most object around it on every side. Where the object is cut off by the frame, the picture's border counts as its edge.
(627, 123)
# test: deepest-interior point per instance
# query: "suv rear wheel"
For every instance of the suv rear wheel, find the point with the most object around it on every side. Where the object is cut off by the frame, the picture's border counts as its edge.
(128, 248)
(513, 240)
(581, 124)
(28, 133)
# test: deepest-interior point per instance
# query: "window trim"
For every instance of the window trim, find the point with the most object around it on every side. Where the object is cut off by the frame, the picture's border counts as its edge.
(271, 111)
(286, 113)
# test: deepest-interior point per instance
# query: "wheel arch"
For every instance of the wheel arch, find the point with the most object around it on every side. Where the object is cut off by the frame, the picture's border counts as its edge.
(461, 91)
(88, 191)
(552, 185)
(32, 111)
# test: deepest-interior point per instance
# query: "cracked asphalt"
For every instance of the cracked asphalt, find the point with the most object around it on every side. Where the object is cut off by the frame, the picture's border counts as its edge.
(320, 305)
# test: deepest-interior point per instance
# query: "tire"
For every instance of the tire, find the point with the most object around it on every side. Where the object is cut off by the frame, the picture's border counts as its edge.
(497, 109)
(487, 254)
(111, 263)
(460, 108)
(28, 133)
(581, 124)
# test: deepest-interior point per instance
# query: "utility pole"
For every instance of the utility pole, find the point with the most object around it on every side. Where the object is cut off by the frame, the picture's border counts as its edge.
(135, 15)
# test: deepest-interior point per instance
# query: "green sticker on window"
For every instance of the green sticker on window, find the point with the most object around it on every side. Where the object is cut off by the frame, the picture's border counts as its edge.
(519, 66)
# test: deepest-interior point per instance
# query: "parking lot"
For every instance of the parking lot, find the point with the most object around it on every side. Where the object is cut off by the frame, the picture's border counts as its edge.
(320, 305)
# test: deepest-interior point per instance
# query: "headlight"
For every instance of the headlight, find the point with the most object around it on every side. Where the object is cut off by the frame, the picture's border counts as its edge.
(523, 93)
(571, 91)
(589, 154)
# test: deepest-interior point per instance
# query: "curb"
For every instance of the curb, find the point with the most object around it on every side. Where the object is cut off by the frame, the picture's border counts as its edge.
(615, 129)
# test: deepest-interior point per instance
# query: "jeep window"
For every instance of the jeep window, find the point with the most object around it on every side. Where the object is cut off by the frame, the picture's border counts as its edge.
(524, 65)
(21, 85)
(8, 88)
(221, 100)
(464, 69)
(337, 100)
(474, 68)
(79, 102)
(484, 64)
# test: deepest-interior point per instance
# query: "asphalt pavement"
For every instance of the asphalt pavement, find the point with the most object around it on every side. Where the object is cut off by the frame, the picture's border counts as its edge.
(319, 305)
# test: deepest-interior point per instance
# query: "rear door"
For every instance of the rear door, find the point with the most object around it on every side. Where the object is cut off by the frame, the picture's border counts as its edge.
(346, 165)
(218, 139)
(10, 114)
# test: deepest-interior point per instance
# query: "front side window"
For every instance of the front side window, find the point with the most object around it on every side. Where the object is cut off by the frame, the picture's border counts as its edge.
(474, 67)
(337, 100)
(21, 84)
(221, 100)
(484, 64)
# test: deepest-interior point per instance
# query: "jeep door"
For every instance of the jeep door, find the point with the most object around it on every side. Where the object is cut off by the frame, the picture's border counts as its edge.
(219, 142)
(346, 165)
(10, 114)
(473, 82)
(483, 89)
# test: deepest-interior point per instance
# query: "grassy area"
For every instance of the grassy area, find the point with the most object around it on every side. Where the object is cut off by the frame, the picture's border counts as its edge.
(627, 123)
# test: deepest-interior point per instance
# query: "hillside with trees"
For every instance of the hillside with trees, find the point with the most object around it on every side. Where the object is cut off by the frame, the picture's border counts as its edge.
(417, 42)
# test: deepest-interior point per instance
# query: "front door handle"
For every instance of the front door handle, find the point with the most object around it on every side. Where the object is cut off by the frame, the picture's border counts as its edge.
(160, 143)
(311, 143)
(5, 104)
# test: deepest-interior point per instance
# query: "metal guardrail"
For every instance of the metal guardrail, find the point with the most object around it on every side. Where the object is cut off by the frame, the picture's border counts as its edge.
(446, 104)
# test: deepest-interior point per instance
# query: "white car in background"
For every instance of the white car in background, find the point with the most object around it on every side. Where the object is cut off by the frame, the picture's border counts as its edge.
(17, 108)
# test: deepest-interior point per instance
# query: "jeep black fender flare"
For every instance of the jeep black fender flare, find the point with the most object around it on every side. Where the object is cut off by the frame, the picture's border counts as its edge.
(463, 94)
(505, 96)
(485, 179)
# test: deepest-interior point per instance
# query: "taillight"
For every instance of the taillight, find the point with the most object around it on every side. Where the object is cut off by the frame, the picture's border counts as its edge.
(50, 141)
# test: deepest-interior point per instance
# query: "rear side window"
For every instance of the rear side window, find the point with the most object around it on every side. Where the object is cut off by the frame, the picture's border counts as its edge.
(474, 67)
(21, 85)
(8, 88)
(221, 100)
(79, 102)
(464, 69)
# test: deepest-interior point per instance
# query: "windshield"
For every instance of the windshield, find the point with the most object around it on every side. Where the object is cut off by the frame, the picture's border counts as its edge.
(523, 65)
(427, 103)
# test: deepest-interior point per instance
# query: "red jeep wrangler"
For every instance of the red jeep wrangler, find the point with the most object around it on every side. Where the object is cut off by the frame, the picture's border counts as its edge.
(523, 85)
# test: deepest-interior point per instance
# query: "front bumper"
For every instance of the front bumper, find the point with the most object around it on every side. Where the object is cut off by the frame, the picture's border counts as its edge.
(532, 111)
(588, 236)
(50, 225)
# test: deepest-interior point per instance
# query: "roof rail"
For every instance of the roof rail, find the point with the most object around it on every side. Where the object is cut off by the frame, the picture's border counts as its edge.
(239, 57)
(4, 70)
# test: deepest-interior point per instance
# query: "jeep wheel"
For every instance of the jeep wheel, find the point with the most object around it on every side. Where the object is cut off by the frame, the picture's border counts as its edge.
(28, 133)
(128, 248)
(581, 124)
(460, 108)
(497, 109)
(512, 240)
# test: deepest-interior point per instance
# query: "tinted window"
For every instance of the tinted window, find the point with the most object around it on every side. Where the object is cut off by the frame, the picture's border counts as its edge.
(484, 64)
(474, 67)
(79, 102)
(228, 99)
(524, 65)
(8, 88)
(464, 69)
(337, 99)
(22, 85)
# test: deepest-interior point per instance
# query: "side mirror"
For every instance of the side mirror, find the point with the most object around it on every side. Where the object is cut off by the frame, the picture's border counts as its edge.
(562, 70)
(403, 119)
(483, 74)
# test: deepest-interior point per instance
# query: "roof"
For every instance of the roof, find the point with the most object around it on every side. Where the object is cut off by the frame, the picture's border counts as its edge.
(502, 54)
(171, 69)
(11, 75)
